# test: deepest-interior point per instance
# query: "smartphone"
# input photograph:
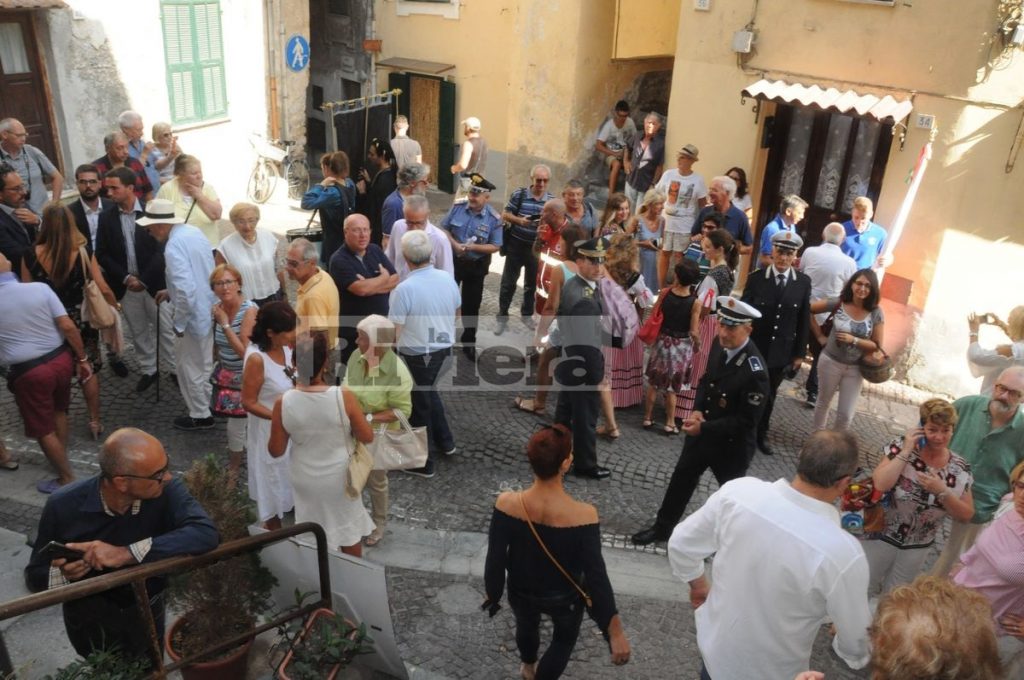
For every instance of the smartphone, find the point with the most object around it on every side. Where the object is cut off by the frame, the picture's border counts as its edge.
(921, 441)
(54, 550)
(990, 319)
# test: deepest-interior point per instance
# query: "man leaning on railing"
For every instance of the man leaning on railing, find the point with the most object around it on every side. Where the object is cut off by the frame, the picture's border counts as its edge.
(133, 512)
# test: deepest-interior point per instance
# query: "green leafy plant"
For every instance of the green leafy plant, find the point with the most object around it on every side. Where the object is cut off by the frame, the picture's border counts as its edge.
(103, 664)
(321, 644)
(226, 598)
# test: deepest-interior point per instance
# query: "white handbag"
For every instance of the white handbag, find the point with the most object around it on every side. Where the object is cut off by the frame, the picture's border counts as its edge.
(402, 449)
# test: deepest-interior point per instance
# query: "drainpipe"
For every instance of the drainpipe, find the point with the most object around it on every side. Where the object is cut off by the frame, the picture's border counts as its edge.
(272, 63)
(373, 55)
(281, 37)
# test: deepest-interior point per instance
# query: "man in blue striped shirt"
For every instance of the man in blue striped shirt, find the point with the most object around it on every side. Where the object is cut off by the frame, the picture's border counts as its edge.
(522, 217)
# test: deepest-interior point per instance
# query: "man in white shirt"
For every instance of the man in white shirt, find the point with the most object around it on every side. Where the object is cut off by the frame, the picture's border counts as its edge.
(417, 216)
(615, 136)
(829, 268)
(783, 567)
(189, 263)
(686, 194)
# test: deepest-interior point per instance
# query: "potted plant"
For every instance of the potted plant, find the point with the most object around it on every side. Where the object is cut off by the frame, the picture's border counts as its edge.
(103, 664)
(322, 646)
(223, 599)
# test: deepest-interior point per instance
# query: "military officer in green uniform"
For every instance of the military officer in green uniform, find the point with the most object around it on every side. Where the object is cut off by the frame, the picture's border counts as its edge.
(721, 431)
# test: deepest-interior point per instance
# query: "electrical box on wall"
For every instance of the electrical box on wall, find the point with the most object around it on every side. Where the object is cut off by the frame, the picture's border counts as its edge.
(742, 41)
(702, 5)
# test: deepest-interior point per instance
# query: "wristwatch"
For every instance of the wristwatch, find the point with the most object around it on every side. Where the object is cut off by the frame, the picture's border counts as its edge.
(369, 417)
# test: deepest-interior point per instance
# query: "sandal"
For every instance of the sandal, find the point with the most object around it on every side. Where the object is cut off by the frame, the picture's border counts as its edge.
(374, 538)
(648, 423)
(529, 405)
(670, 430)
(603, 431)
(10, 465)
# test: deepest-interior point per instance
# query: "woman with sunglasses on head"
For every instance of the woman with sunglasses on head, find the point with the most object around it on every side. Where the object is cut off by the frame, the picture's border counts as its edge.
(376, 182)
(857, 330)
(549, 546)
(235, 317)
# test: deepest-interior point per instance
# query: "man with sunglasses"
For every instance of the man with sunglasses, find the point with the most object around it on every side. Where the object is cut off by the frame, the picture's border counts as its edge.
(31, 163)
(989, 434)
(133, 512)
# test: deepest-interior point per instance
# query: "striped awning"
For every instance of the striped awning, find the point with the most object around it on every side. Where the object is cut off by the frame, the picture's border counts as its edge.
(32, 4)
(843, 101)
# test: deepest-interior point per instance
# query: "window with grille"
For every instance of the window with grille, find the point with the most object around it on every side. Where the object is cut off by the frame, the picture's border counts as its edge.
(195, 59)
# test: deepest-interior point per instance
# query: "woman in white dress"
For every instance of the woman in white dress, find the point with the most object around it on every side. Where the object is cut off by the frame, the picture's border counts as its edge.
(266, 376)
(322, 421)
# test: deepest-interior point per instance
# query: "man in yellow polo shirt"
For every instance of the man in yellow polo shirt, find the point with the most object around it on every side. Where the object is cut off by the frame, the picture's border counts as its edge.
(317, 303)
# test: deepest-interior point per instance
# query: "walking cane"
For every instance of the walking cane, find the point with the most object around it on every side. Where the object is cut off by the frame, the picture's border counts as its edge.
(158, 338)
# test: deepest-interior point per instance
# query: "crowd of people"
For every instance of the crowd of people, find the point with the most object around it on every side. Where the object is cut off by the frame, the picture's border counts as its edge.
(386, 299)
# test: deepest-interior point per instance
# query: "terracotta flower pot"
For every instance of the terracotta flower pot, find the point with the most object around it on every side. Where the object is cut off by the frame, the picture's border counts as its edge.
(234, 665)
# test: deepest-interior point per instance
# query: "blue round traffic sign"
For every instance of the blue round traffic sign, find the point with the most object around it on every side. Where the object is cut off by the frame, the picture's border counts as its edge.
(296, 53)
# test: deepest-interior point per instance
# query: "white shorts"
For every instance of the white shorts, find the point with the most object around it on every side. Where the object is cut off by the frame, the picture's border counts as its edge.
(675, 242)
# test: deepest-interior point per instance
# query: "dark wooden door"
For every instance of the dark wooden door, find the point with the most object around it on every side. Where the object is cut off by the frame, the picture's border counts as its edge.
(23, 91)
(826, 158)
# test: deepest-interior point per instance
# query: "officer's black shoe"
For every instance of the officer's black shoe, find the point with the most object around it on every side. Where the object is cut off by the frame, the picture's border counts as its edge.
(500, 325)
(647, 536)
(812, 399)
(119, 368)
(470, 352)
(596, 472)
(145, 382)
(765, 449)
(529, 322)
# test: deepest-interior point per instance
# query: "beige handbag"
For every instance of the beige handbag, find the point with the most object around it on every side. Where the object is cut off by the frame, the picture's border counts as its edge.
(360, 462)
(399, 449)
(96, 311)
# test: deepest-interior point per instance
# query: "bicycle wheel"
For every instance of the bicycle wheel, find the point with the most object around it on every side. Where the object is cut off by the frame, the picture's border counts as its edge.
(297, 174)
(262, 181)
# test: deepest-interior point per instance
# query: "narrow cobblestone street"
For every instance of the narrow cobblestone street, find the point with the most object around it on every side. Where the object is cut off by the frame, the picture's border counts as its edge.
(437, 621)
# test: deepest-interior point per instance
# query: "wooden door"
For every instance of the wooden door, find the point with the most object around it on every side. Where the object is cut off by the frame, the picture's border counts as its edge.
(23, 90)
(826, 158)
(425, 100)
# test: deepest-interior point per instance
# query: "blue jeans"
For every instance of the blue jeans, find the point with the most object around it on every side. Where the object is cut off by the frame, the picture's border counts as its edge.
(565, 611)
(427, 407)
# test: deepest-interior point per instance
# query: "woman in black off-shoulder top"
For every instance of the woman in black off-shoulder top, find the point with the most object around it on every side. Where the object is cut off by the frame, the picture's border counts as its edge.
(572, 534)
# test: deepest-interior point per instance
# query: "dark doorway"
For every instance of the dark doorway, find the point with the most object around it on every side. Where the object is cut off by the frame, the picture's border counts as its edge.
(828, 159)
(23, 93)
(429, 104)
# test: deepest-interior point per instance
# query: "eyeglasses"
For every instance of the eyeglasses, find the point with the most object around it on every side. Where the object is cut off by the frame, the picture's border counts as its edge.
(157, 476)
(19, 135)
(1016, 394)
(541, 180)
(293, 263)
(224, 282)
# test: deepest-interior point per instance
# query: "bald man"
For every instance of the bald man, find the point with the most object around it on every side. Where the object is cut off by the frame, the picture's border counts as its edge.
(134, 511)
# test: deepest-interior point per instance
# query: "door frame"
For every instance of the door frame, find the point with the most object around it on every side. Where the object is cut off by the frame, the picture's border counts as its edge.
(50, 147)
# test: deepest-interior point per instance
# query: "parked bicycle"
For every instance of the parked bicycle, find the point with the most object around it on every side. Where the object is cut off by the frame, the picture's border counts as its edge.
(276, 158)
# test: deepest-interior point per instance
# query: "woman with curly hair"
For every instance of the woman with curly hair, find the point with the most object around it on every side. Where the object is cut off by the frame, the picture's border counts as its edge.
(57, 260)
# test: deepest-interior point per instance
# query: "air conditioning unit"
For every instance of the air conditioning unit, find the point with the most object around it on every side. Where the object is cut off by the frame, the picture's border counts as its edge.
(742, 41)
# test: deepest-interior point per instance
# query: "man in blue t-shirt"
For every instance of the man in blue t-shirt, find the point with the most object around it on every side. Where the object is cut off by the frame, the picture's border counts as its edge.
(791, 211)
(865, 240)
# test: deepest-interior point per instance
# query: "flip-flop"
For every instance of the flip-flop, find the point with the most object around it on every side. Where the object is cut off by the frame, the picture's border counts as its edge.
(529, 405)
(10, 465)
(670, 430)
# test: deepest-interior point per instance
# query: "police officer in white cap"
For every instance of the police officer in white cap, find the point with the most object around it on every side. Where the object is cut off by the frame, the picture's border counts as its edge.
(720, 432)
(783, 296)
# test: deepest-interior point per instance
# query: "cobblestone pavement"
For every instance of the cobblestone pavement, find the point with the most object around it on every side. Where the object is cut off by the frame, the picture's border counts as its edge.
(447, 634)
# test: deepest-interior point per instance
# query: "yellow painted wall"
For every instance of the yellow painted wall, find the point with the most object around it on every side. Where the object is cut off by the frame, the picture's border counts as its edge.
(539, 73)
(645, 28)
(968, 212)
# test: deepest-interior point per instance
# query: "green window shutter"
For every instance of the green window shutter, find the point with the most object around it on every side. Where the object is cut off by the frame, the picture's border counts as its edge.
(193, 48)
(446, 138)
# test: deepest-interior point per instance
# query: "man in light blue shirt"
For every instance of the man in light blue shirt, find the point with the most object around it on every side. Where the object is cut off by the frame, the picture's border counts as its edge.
(865, 240)
(189, 263)
(791, 211)
(423, 308)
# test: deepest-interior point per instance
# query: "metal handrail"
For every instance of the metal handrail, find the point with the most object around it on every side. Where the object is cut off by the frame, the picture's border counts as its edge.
(136, 578)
